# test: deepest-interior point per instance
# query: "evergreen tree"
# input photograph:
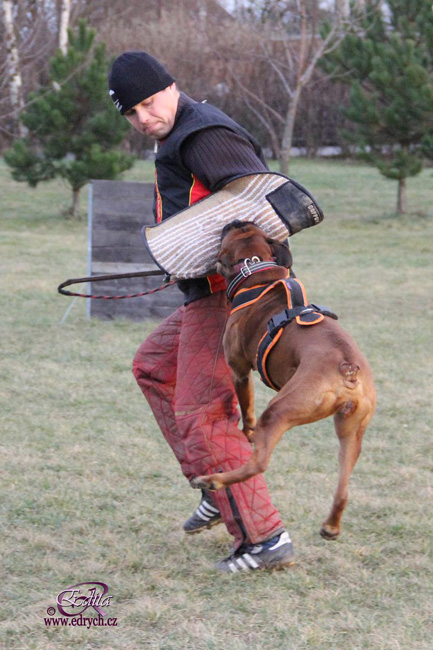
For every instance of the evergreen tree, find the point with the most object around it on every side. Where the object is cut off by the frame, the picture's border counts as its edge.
(72, 125)
(390, 68)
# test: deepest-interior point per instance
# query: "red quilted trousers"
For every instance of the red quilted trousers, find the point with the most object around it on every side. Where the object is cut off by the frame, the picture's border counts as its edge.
(183, 374)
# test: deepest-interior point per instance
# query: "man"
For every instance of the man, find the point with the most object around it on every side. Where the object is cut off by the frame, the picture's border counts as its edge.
(181, 367)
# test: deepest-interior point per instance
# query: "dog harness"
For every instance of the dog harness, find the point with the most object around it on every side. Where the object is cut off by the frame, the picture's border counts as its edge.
(298, 309)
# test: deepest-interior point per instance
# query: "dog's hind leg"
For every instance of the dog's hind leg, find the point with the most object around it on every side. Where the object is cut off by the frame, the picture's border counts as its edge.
(350, 430)
(289, 408)
(265, 440)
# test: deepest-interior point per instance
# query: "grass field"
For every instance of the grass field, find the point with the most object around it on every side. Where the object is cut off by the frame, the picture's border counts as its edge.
(90, 490)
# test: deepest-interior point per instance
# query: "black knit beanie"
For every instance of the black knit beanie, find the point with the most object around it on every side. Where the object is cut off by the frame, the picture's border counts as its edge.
(135, 76)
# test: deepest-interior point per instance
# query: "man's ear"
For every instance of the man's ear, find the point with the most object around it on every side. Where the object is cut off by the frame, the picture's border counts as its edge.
(281, 252)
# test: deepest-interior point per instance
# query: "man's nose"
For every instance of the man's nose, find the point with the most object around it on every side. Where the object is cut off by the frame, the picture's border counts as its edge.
(143, 115)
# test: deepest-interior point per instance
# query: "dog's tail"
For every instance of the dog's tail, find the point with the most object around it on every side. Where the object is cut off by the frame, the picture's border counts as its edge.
(350, 373)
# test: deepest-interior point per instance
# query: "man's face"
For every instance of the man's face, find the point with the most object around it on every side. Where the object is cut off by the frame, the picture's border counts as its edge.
(155, 115)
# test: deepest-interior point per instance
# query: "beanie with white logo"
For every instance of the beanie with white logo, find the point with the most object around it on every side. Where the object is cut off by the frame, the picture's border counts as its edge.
(135, 76)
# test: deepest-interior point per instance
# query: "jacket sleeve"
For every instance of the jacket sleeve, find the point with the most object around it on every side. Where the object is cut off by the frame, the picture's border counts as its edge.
(217, 154)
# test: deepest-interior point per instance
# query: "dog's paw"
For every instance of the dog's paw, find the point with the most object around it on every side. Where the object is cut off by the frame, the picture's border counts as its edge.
(249, 433)
(197, 483)
(329, 532)
(205, 483)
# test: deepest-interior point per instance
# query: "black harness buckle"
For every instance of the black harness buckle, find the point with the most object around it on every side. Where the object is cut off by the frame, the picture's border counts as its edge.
(283, 318)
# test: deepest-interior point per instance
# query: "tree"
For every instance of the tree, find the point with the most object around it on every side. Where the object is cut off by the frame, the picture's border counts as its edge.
(13, 65)
(390, 68)
(65, 12)
(281, 46)
(34, 24)
(427, 146)
(72, 124)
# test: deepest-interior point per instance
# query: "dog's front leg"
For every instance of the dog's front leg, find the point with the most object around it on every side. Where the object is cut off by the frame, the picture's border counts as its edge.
(245, 391)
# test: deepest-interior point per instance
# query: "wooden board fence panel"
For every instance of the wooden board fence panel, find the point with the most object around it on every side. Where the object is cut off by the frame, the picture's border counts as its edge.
(117, 212)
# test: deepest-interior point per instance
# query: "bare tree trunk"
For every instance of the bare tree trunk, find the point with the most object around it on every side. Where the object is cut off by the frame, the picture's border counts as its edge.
(13, 67)
(65, 12)
(305, 69)
(75, 210)
(286, 144)
(401, 196)
(292, 58)
(343, 8)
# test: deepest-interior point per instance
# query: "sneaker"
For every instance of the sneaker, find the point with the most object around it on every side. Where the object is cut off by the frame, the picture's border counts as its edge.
(275, 553)
(205, 516)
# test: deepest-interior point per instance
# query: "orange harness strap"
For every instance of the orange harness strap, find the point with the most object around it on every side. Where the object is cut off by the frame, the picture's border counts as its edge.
(297, 309)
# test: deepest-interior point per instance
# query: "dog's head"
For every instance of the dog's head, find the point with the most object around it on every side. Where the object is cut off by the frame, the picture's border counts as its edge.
(243, 239)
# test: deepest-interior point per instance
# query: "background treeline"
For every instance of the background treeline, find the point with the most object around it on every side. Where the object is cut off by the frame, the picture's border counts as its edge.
(354, 75)
(215, 55)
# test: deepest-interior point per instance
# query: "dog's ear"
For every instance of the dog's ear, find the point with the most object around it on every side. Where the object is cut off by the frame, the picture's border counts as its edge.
(220, 267)
(281, 252)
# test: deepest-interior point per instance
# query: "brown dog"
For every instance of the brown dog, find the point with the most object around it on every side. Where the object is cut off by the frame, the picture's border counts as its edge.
(318, 369)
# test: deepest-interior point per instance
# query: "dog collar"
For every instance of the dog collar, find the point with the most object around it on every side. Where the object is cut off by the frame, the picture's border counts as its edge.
(247, 268)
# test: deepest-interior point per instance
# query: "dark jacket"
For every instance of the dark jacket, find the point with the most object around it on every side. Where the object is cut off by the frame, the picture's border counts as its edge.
(176, 187)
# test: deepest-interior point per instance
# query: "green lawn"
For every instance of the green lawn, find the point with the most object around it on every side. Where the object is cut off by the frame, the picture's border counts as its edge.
(90, 490)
